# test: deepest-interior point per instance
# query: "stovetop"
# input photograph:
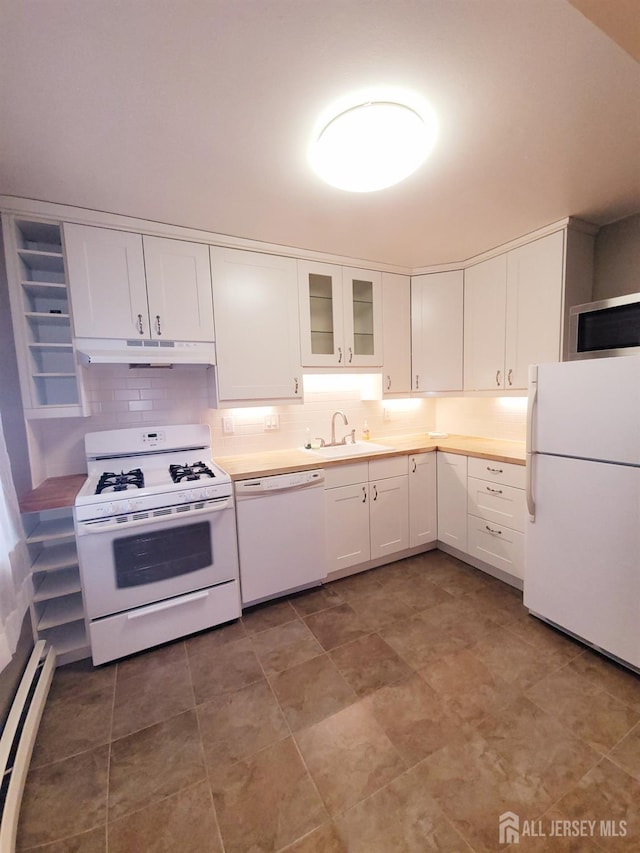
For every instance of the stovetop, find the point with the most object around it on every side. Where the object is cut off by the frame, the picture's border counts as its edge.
(133, 469)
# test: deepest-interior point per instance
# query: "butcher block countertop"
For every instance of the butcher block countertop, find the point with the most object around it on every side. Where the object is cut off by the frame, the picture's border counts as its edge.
(54, 493)
(286, 461)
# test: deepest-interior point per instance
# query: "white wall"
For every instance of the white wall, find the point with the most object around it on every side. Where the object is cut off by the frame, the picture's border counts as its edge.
(121, 397)
(617, 259)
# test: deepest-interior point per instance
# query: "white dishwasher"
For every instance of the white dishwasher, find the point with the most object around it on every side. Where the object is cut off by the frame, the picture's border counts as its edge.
(281, 534)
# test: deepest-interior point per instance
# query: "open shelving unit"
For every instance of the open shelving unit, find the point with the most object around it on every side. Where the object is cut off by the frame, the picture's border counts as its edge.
(40, 308)
(57, 610)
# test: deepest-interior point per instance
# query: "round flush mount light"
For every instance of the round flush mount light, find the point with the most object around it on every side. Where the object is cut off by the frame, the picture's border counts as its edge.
(374, 143)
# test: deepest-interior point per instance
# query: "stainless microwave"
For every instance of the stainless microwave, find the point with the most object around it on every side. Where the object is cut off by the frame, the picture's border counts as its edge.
(606, 328)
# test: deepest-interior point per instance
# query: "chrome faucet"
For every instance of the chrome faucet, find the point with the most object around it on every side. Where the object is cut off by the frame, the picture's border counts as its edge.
(333, 427)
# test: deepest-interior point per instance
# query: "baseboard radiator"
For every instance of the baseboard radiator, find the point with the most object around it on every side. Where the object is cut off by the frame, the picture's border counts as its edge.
(18, 738)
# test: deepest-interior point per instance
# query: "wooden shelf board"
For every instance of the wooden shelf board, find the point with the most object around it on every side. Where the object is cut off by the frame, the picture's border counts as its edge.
(58, 584)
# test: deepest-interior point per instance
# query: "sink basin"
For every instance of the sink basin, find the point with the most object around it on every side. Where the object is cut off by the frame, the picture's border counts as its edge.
(345, 451)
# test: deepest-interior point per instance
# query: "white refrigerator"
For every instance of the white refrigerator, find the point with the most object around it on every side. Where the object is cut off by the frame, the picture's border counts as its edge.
(582, 557)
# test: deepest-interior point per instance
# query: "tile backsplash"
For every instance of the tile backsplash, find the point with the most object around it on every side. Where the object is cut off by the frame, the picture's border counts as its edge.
(121, 397)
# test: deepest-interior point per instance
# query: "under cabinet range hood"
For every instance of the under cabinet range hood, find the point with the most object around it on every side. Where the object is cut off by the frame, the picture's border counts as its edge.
(106, 351)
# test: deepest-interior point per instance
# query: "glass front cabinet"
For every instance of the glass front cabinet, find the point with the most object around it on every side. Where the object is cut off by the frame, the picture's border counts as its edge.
(340, 316)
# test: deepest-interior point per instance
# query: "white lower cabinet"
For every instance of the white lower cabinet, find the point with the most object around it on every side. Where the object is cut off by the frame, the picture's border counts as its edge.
(423, 503)
(367, 511)
(452, 500)
(497, 510)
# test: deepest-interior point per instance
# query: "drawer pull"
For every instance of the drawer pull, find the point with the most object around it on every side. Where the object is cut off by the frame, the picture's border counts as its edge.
(364, 494)
(494, 491)
(495, 470)
(492, 530)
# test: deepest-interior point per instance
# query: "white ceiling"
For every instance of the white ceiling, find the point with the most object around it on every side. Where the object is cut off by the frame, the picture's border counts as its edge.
(198, 113)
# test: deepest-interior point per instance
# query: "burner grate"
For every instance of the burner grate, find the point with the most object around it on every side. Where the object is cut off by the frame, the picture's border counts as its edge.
(111, 481)
(189, 472)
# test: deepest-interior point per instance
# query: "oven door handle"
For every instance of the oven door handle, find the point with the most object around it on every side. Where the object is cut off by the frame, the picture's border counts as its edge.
(84, 528)
(167, 605)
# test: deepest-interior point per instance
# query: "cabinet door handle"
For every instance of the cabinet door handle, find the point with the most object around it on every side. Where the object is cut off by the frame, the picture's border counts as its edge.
(494, 491)
(493, 530)
(413, 470)
(498, 372)
(495, 470)
(295, 384)
(158, 329)
(139, 324)
(417, 381)
(510, 376)
(388, 382)
(339, 355)
(350, 355)
(364, 494)
(375, 492)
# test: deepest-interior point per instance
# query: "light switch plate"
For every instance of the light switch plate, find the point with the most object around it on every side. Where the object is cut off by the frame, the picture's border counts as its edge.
(228, 426)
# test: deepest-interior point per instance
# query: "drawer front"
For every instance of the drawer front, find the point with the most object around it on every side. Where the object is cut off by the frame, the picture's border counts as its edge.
(346, 475)
(498, 472)
(496, 502)
(497, 545)
(116, 636)
(394, 466)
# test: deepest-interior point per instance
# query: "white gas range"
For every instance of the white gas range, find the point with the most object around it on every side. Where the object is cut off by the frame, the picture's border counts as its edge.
(155, 524)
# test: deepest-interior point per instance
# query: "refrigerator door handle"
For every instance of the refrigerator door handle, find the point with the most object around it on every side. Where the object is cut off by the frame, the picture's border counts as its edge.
(530, 452)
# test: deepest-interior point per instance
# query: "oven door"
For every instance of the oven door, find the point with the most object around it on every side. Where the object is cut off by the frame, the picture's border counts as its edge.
(125, 564)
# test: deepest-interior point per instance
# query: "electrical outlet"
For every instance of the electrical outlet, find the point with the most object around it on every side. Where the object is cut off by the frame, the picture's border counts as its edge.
(386, 414)
(271, 422)
(228, 426)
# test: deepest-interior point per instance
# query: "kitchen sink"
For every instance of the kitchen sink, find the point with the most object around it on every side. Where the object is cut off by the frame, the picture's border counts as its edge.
(345, 451)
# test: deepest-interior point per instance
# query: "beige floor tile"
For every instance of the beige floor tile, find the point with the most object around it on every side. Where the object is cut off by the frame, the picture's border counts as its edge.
(281, 648)
(312, 601)
(266, 802)
(184, 822)
(626, 754)
(336, 626)
(236, 725)
(349, 757)
(354, 586)
(376, 609)
(400, 817)
(324, 839)
(369, 663)
(151, 687)
(535, 747)
(469, 687)
(154, 763)
(583, 707)
(93, 841)
(419, 641)
(269, 615)
(414, 717)
(219, 669)
(511, 659)
(220, 635)
(469, 781)
(546, 639)
(81, 693)
(610, 676)
(64, 799)
(606, 793)
(311, 691)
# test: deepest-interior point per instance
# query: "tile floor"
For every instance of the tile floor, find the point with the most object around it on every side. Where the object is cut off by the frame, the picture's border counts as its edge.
(403, 709)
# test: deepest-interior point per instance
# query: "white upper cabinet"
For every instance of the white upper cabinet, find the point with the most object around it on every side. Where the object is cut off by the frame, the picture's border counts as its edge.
(396, 333)
(256, 317)
(107, 282)
(514, 307)
(534, 307)
(436, 331)
(114, 297)
(178, 289)
(340, 316)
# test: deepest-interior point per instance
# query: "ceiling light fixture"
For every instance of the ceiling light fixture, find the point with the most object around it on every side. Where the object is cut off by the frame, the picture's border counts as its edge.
(374, 143)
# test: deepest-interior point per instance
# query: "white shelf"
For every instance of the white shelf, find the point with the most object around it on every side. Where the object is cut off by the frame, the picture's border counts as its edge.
(68, 639)
(56, 557)
(61, 611)
(46, 317)
(58, 584)
(52, 528)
